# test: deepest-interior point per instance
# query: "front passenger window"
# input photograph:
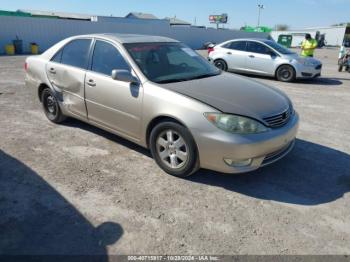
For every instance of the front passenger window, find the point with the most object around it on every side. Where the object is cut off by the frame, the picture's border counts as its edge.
(106, 58)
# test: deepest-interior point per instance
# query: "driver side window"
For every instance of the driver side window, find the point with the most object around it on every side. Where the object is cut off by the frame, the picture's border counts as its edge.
(107, 58)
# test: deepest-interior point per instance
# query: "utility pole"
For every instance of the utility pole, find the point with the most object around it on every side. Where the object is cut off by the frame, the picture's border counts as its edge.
(260, 8)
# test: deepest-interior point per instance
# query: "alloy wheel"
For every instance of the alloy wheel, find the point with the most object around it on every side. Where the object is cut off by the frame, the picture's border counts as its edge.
(172, 149)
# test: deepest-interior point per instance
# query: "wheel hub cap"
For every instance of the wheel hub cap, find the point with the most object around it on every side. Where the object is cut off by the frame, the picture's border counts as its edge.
(172, 149)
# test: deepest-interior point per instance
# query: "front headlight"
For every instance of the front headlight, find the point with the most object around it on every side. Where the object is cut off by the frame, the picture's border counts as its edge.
(235, 124)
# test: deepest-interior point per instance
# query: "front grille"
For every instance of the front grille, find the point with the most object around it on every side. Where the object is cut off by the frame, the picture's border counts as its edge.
(318, 67)
(306, 74)
(278, 120)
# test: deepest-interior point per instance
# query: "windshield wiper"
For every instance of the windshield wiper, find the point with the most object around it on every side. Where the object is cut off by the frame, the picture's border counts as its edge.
(167, 81)
(186, 79)
(204, 76)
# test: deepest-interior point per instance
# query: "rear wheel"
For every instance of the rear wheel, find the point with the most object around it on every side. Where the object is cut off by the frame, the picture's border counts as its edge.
(51, 107)
(174, 150)
(221, 64)
(286, 73)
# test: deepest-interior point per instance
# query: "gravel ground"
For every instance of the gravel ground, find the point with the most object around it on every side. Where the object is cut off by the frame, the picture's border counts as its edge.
(74, 189)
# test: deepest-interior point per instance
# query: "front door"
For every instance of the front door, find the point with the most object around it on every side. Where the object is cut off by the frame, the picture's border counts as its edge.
(111, 103)
(260, 59)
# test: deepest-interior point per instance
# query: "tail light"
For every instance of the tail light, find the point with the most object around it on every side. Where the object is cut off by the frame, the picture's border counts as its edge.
(210, 49)
(25, 66)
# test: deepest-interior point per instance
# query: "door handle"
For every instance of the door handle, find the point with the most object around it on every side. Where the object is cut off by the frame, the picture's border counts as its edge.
(91, 82)
(251, 56)
(229, 53)
(52, 70)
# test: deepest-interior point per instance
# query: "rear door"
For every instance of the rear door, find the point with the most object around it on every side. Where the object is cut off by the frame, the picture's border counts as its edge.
(66, 72)
(235, 55)
(112, 103)
(260, 58)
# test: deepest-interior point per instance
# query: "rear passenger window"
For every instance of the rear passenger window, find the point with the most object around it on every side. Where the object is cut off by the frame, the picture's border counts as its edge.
(238, 45)
(76, 53)
(106, 58)
(258, 48)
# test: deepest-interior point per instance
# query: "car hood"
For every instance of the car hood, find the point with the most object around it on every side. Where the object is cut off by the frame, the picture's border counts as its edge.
(299, 58)
(234, 94)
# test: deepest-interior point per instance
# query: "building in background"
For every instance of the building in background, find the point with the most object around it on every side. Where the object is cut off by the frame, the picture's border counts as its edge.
(328, 36)
(261, 29)
(173, 21)
(58, 15)
(136, 15)
(45, 28)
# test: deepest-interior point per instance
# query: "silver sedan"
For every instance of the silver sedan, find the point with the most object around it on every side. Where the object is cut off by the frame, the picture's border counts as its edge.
(162, 95)
(263, 57)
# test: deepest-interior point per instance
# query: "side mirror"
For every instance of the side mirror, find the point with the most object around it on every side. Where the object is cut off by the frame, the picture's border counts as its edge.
(124, 75)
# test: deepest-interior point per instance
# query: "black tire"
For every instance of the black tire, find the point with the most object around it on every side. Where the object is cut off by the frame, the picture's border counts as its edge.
(285, 73)
(221, 64)
(340, 68)
(51, 107)
(185, 168)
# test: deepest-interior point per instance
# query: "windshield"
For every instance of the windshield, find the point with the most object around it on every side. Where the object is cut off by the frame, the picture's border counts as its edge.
(279, 48)
(170, 62)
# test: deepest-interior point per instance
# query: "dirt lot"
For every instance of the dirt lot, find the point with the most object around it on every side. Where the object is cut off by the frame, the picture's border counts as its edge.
(74, 189)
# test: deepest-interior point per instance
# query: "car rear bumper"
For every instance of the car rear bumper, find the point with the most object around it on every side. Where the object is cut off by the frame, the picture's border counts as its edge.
(261, 149)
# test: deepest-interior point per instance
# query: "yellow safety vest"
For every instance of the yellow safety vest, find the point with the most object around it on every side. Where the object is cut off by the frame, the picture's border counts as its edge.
(308, 44)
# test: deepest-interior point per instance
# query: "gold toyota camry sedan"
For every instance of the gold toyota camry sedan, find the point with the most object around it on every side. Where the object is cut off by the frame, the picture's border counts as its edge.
(162, 95)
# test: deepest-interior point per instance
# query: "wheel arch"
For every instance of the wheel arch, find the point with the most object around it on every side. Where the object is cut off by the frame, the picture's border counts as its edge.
(41, 88)
(159, 119)
(285, 64)
(219, 58)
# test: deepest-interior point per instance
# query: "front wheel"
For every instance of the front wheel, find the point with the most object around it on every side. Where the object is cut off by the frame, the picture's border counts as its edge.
(285, 73)
(51, 107)
(174, 150)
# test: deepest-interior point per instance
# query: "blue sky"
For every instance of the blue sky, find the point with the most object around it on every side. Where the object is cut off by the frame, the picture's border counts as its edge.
(295, 13)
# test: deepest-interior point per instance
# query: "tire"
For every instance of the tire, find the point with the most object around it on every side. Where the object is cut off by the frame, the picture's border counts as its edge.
(340, 68)
(221, 64)
(174, 150)
(51, 107)
(286, 73)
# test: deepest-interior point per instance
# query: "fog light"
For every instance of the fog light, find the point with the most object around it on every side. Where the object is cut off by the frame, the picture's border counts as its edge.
(241, 163)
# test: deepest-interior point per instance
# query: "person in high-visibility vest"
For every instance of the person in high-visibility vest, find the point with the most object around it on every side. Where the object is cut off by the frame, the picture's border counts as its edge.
(308, 46)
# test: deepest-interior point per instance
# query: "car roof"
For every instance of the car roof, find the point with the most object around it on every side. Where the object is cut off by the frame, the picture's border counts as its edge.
(264, 40)
(131, 38)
